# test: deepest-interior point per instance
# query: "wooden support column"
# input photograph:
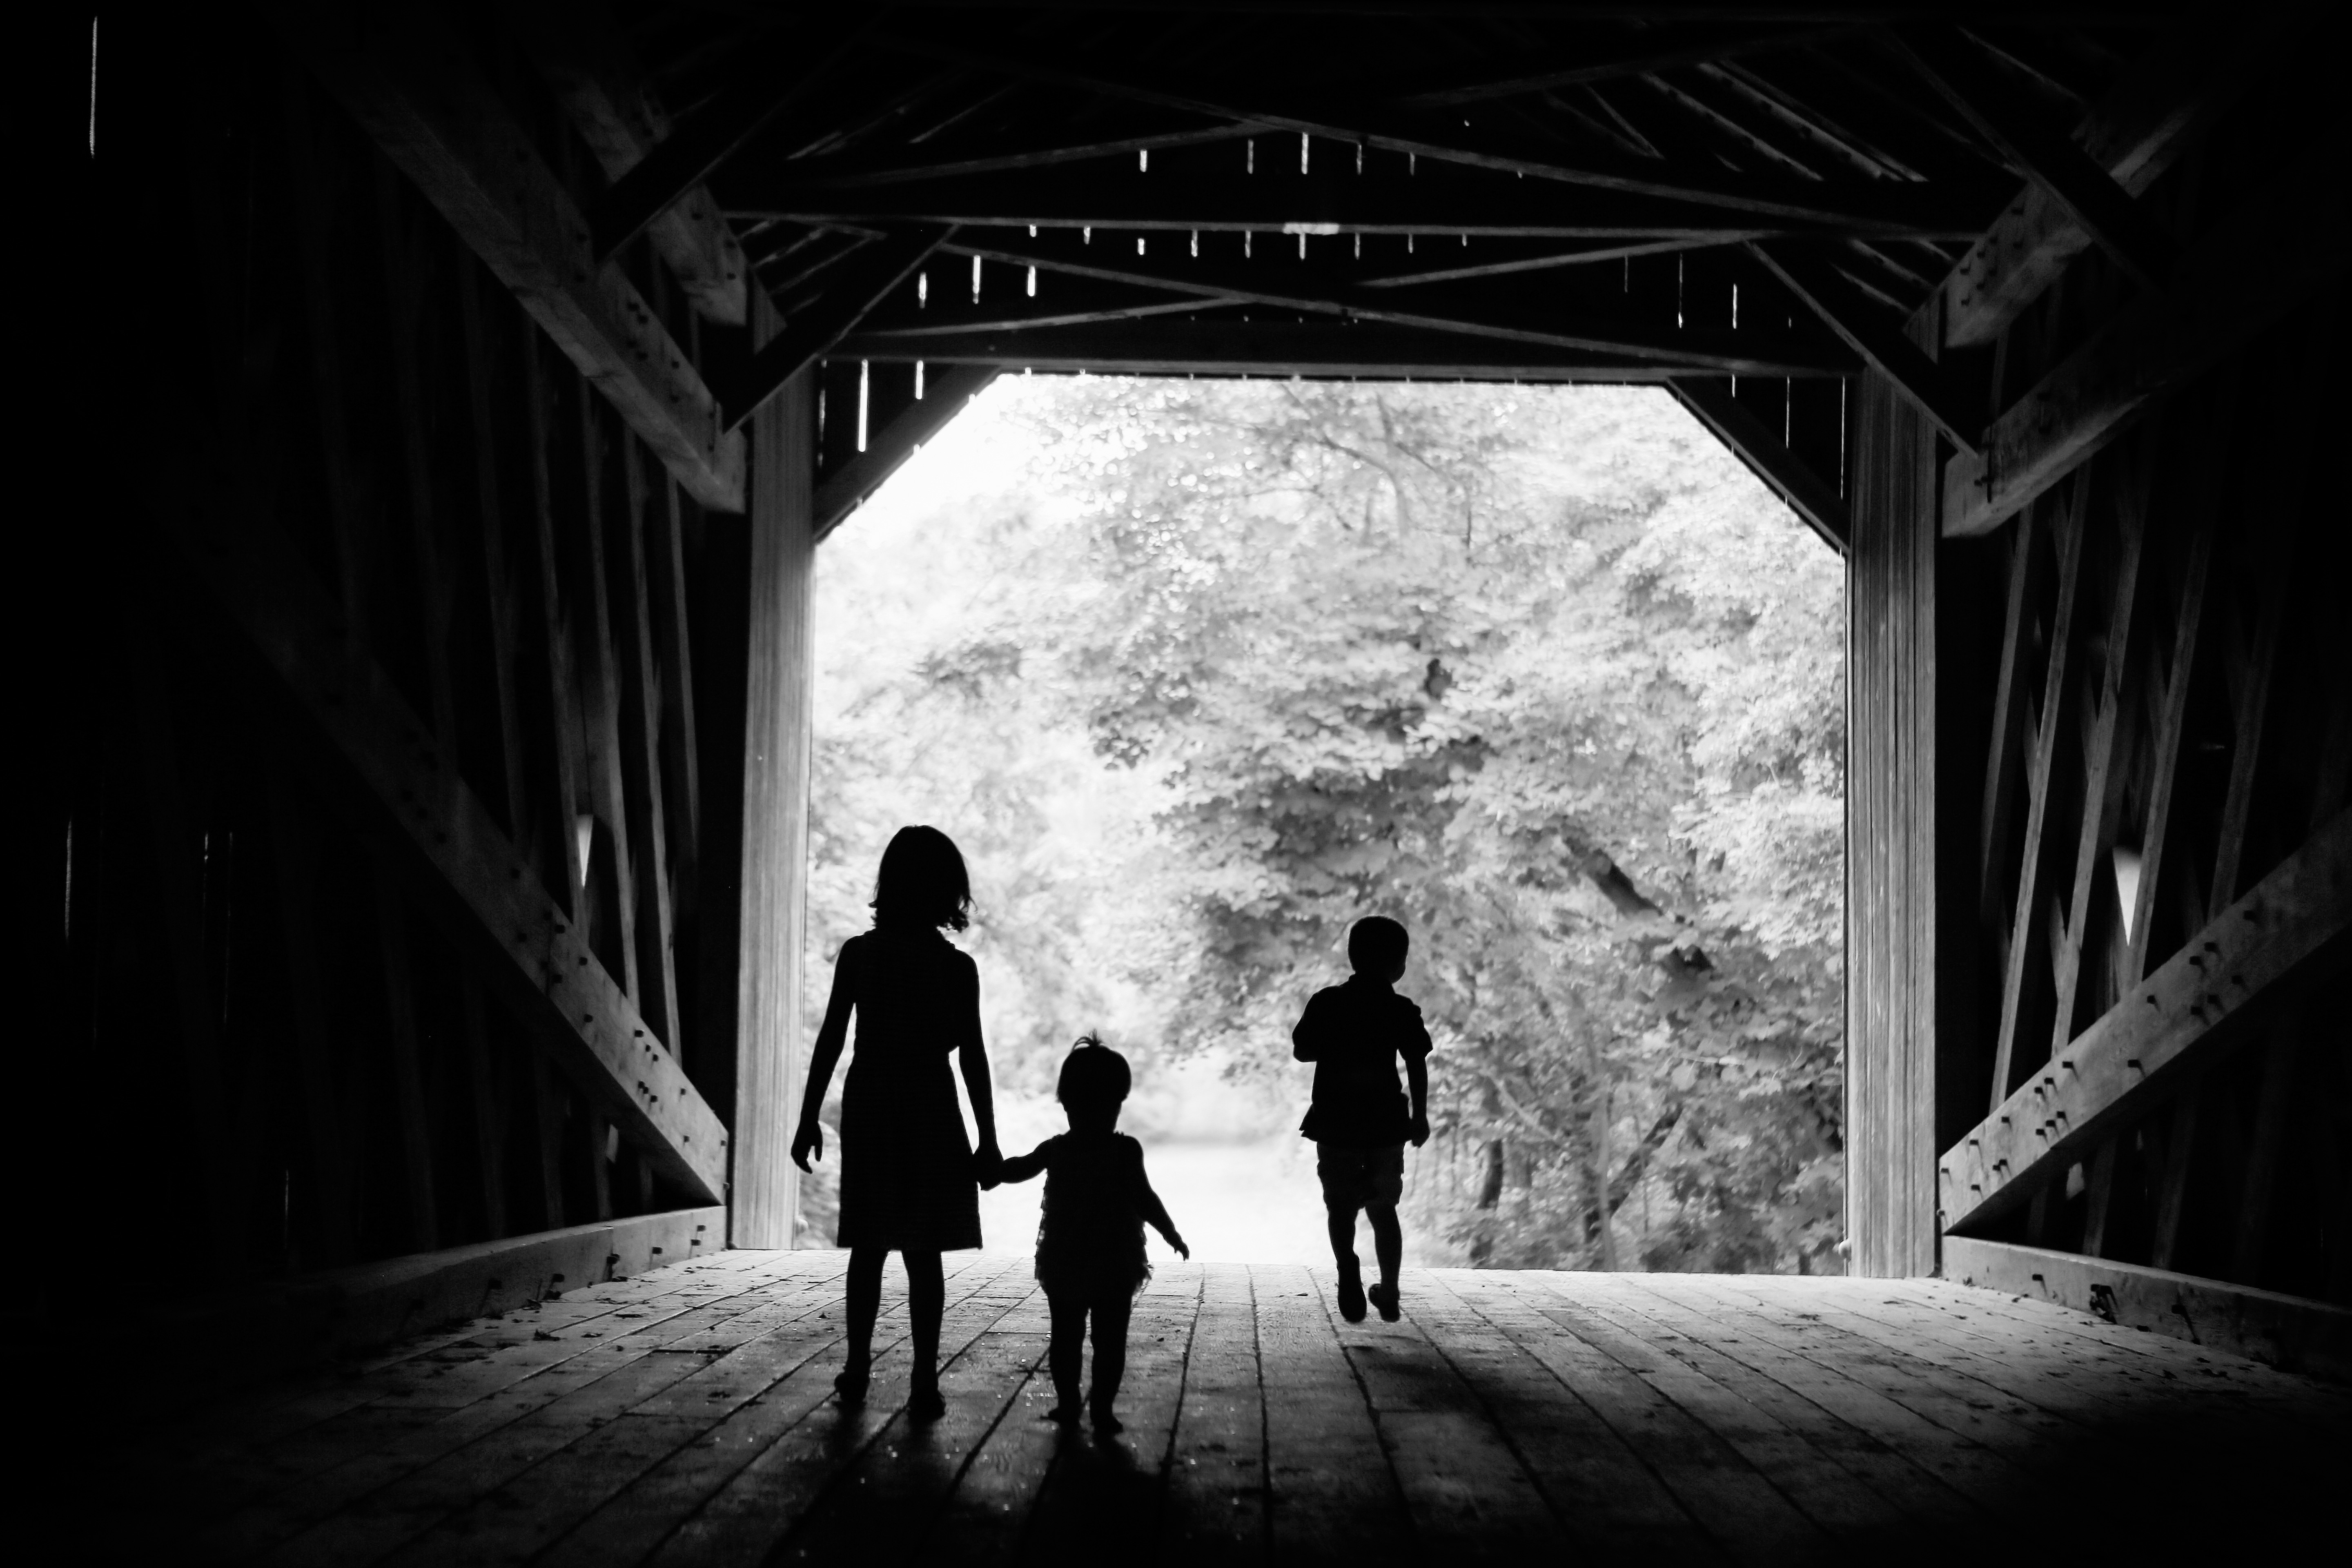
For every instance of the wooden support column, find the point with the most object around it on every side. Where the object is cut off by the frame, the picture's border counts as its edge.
(1890, 840)
(764, 1192)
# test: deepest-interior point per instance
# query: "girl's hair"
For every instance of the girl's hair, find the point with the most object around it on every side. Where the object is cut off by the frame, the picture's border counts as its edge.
(923, 881)
(1093, 1075)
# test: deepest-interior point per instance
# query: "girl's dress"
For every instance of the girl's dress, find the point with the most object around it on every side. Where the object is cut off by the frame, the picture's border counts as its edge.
(1090, 1235)
(908, 1181)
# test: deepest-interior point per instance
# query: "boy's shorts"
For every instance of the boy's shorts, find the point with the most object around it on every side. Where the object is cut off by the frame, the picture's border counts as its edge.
(1357, 1178)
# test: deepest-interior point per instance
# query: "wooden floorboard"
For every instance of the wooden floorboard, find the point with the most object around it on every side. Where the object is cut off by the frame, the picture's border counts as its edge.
(688, 1416)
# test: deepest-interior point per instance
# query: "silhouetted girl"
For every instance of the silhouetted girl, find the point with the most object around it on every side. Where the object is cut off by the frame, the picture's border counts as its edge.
(1090, 1242)
(907, 1174)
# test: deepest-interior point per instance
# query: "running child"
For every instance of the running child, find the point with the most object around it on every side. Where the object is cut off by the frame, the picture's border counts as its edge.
(1354, 1034)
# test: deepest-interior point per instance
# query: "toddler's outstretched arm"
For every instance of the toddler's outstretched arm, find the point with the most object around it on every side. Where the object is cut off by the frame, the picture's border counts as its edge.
(1021, 1167)
(1155, 1213)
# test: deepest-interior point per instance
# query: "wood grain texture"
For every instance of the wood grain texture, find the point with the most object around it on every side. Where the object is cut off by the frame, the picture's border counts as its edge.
(685, 1416)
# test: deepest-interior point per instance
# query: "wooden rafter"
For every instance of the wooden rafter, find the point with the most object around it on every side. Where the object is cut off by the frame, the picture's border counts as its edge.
(863, 279)
(2103, 209)
(949, 389)
(417, 92)
(1818, 286)
(1331, 201)
(1224, 343)
(1787, 474)
(1843, 206)
(1760, 353)
(2291, 239)
(2296, 921)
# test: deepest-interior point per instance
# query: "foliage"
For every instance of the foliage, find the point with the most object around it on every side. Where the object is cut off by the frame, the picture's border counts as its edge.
(1540, 672)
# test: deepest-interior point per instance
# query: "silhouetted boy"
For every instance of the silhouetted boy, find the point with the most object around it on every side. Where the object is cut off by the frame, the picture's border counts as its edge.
(1090, 1241)
(1354, 1034)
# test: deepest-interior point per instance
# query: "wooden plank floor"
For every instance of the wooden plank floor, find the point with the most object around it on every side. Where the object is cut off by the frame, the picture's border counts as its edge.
(686, 1416)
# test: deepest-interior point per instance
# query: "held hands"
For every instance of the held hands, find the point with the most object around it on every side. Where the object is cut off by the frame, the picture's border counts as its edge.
(989, 1166)
(808, 1142)
(1420, 1131)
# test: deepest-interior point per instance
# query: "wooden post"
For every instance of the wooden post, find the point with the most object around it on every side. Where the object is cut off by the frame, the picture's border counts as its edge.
(764, 1192)
(1890, 840)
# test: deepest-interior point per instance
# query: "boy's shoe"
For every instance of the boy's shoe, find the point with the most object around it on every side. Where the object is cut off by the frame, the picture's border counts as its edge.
(1351, 1295)
(926, 1405)
(1066, 1413)
(1384, 1297)
(1106, 1423)
(850, 1385)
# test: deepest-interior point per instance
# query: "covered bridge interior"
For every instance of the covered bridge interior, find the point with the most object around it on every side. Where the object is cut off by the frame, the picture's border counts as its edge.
(423, 780)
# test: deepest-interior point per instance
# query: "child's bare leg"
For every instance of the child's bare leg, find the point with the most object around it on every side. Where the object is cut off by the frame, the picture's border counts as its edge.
(1341, 1224)
(1387, 1240)
(865, 1292)
(1065, 1353)
(926, 1300)
(1110, 1357)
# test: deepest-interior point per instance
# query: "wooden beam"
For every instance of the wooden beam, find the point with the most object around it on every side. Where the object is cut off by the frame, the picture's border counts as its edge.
(588, 65)
(641, 762)
(1465, 312)
(1885, 349)
(1582, 256)
(480, 886)
(946, 392)
(2004, 750)
(1846, 207)
(1783, 472)
(2029, 920)
(2274, 1104)
(771, 877)
(2157, 111)
(933, 160)
(1643, 51)
(674, 170)
(859, 285)
(2295, 922)
(2293, 1333)
(2100, 207)
(418, 93)
(2292, 238)
(1227, 344)
(1437, 200)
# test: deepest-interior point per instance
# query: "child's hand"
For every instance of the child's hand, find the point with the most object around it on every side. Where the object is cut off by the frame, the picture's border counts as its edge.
(1182, 1251)
(990, 1162)
(1420, 1131)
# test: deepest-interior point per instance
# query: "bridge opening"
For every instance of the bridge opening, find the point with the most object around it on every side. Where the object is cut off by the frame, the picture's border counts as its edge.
(1198, 671)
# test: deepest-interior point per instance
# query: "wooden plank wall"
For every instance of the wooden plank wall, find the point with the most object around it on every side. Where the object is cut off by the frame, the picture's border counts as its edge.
(2159, 723)
(1890, 839)
(298, 1031)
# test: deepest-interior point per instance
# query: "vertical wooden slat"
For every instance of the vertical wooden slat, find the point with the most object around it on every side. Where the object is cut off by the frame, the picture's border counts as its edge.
(666, 568)
(1891, 881)
(764, 1193)
(2171, 727)
(319, 1050)
(489, 1112)
(2172, 1180)
(553, 617)
(602, 687)
(547, 1114)
(2002, 766)
(2101, 792)
(2072, 524)
(499, 587)
(2273, 1099)
(2099, 1196)
(641, 762)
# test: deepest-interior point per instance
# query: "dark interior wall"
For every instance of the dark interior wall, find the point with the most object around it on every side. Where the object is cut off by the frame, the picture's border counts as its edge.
(307, 1051)
(2146, 670)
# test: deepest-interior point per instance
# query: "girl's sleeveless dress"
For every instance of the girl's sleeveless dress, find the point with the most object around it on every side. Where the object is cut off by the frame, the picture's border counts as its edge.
(908, 1179)
(1090, 1236)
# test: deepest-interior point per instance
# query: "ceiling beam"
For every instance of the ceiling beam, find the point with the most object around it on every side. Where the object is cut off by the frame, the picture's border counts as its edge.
(2159, 107)
(1846, 206)
(1583, 256)
(1224, 343)
(948, 388)
(776, 76)
(1640, 53)
(2296, 923)
(417, 93)
(1784, 473)
(589, 68)
(1885, 349)
(2291, 241)
(1438, 201)
(1272, 284)
(1951, 63)
(864, 278)
(954, 159)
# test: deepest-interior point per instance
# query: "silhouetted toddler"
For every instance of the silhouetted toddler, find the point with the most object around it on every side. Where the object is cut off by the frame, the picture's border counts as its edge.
(1090, 1242)
(1354, 1034)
